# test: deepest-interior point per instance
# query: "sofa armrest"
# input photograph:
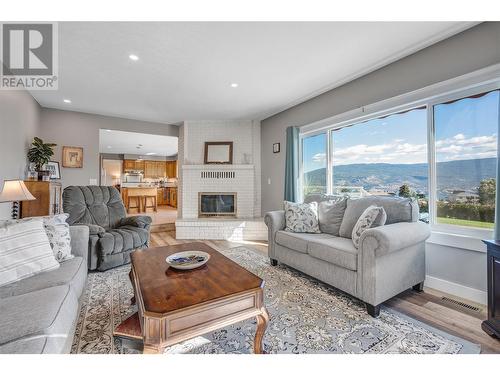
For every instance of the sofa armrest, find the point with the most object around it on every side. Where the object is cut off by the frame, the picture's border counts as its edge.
(136, 221)
(79, 240)
(275, 221)
(393, 237)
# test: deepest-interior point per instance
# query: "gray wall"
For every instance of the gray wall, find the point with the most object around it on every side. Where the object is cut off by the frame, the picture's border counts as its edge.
(470, 50)
(68, 128)
(19, 116)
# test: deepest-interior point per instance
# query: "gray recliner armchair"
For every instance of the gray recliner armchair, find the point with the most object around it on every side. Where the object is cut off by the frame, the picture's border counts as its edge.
(113, 236)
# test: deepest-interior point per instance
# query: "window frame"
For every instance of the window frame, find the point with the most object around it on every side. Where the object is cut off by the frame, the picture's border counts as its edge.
(446, 234)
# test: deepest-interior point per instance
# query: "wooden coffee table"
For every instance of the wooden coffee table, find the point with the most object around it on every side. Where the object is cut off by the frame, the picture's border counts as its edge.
(174, 305)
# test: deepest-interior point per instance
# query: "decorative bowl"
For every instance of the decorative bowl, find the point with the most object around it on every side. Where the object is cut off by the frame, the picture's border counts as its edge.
(187, 260)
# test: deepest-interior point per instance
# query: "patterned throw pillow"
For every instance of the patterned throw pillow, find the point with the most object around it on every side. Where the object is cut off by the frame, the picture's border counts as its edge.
(24, 251)
(301, 217)
(373, 216)
(57, 231)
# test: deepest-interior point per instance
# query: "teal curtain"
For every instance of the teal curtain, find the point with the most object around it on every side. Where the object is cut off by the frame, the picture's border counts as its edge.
(292, 164)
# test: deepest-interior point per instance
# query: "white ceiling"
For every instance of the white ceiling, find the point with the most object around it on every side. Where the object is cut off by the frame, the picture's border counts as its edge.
(120, 142)
(185, 69)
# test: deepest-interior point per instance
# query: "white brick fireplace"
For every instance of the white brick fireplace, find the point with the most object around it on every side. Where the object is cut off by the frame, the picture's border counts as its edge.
(237, 179)
(242, 178)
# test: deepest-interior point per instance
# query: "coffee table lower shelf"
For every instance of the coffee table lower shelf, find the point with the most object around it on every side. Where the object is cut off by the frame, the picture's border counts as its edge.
(130, 334)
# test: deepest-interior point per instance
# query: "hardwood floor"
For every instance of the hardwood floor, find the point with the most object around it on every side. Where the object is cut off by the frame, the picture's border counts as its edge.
(427, 307)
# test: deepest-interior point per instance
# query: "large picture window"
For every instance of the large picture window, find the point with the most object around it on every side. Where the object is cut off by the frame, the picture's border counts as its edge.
(314, 162)
(466, 157)
(390, 155)
(384, 156)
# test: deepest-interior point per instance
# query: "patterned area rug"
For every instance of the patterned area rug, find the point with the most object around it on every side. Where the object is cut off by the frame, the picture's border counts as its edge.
(307, 316)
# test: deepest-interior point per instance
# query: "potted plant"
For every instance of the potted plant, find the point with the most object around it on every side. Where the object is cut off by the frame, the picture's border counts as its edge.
(39, 154)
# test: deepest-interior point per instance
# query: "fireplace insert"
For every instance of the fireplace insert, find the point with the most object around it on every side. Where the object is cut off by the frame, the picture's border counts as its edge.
(216, 204)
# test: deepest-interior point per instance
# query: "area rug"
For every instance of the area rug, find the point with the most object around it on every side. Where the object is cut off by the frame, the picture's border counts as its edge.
(306, 316)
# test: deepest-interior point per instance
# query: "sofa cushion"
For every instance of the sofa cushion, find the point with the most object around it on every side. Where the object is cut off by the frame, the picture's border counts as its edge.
(72, 272)
(48, 313)
(330, 215)
(122, 239)
(301, 217)
(373, 216)
(337, 250)
(397, 210)
(297, 241)
(24, 251)
(28, 345)
(57, 231)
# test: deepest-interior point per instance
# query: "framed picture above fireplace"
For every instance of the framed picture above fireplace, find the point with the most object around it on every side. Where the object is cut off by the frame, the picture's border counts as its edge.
(218, 152)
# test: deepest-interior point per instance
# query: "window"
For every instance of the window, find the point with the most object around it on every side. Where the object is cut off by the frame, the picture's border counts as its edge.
(314, 164)
(466, 156)
(390, 155)
(384, 156)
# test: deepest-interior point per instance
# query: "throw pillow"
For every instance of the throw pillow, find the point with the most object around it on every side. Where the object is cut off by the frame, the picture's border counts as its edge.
(330, 215)
(373, 216)
(24, 251)
(57, 230)
(301, 217)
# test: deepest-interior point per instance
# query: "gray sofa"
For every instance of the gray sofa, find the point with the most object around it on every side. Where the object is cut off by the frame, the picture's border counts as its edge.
(39, 314)
(390, 258)
(113, 236)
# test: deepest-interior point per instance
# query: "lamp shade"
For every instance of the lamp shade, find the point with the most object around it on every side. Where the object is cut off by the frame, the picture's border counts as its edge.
(14, 191)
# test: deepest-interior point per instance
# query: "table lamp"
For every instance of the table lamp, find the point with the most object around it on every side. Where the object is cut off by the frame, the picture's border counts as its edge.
(15, 191)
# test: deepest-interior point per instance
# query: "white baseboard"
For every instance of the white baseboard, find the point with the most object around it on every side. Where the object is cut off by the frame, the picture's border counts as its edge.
(458, 290)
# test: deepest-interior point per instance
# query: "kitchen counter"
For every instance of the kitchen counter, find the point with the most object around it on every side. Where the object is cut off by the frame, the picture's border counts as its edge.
(165, 195)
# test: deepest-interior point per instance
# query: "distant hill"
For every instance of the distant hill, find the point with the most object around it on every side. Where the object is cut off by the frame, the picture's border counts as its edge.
(458, 174)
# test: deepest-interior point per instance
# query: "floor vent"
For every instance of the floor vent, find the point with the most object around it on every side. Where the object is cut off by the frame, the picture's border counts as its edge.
(463, 305)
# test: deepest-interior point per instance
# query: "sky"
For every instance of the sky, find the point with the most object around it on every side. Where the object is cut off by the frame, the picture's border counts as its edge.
(465, 129)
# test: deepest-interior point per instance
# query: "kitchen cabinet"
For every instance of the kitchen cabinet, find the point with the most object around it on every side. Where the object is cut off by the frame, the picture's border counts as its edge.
(171, 168)
(133, 165)
(172, 196)
(160, 169)
(149, 169)
(162, 197)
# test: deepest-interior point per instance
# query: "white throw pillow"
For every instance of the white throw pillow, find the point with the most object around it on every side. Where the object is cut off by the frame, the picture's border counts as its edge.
(373, 216)
(301, 217)
(57, 230)
(24, 251)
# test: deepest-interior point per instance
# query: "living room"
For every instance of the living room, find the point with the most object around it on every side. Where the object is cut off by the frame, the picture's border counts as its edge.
(304, 188)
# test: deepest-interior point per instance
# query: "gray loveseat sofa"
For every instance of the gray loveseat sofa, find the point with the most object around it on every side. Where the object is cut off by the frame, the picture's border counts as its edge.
(113, 236)
(39, 314)
(389, 260)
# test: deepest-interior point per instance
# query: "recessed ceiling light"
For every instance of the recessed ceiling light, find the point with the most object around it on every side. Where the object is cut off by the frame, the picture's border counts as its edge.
(67, 101)
(133, 57)
(234, 85)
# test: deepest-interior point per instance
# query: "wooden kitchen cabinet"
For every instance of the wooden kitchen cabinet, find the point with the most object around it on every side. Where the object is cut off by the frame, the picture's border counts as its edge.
(160, 169)
(133, 165)
(149, 169)
(172, 197)
(171, 168)
(162, 197)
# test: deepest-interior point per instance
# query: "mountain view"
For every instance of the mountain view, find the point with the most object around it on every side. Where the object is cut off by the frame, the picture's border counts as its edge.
(452, 175)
